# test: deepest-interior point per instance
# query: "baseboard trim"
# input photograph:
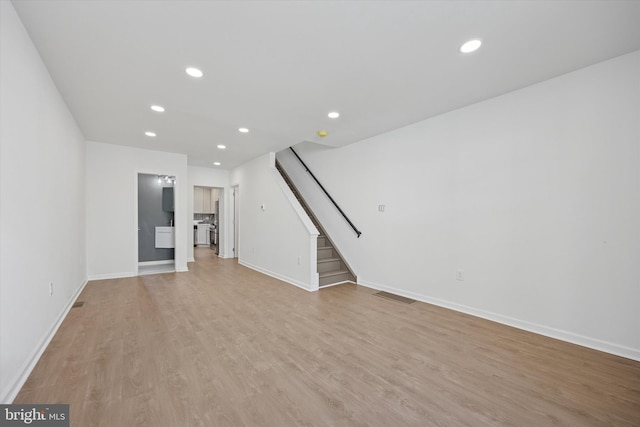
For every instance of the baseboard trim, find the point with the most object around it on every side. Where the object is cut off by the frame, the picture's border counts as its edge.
(182, 270)
(13, 390)
(581, 340)
(289, 280)
(336, 284)
(159, 262)
(191, 260)
(111, 276)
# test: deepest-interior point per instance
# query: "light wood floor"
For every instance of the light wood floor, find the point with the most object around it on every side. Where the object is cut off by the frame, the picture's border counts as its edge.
(223, 345)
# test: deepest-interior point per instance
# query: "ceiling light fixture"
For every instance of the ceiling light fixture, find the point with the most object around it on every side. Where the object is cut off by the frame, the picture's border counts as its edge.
(151, 134)
(333, 115)
(216, 163)
(222, 147)
(157, 108)
(243, 130)
(470, 46)
(194, 72)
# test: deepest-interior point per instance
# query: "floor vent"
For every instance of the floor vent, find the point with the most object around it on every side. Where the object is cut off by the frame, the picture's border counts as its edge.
(77, 304)
(394, 297)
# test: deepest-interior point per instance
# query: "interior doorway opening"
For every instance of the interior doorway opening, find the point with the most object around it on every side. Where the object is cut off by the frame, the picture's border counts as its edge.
(235, 193)
(208, 218)
(156, 224)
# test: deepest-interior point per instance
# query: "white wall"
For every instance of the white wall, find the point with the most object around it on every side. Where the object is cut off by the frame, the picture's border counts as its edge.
(534, 194)
(209, 177)
(42, 227)
(112, 217)
(277, 241)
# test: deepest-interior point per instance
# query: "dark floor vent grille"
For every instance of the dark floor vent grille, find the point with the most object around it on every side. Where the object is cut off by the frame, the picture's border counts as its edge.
(394, 297)
(77, 304)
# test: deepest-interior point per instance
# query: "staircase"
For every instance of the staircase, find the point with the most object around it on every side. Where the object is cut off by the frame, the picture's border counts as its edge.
(332, 269)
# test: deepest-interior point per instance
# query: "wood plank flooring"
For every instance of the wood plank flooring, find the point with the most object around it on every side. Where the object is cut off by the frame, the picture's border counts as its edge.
(223, 345)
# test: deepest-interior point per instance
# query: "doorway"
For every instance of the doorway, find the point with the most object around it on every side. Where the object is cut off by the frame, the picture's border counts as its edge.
(235, 191)
(208, 218)
(156, 230)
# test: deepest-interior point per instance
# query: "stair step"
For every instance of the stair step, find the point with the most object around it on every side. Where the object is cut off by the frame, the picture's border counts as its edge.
(325, 252)
(329, 264)
(328, 260)
(333, 277)
(333, 273)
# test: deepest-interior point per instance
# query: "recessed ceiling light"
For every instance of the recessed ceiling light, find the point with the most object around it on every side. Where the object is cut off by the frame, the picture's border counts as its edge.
(243, 130)
(222, 147)
(157, 108)
(194, 72)
(151, 134)
(333, 115)
(470, 46)
(216, 163)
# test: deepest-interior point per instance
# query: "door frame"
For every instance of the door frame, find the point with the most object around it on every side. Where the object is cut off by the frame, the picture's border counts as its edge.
(235, 193)
(135, 216)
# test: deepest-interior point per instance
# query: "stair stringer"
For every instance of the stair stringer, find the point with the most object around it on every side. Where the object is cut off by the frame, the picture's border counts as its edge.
(304, 218)
(350, 276)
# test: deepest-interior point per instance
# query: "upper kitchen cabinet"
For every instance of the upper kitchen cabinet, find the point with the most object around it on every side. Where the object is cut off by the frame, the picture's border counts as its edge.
(197, 199)
(204, 199)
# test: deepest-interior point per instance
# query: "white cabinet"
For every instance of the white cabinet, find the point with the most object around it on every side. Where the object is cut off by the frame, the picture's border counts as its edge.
(198, 199)
(165, 237)
(202, 200)
(202, 234)
(206, 200)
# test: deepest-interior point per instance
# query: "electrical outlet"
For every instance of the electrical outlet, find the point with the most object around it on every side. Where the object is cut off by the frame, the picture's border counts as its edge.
(381, 208)
(460, 274)
(51, 289)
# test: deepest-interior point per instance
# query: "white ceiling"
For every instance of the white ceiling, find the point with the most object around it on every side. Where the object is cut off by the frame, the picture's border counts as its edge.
(278, 67)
